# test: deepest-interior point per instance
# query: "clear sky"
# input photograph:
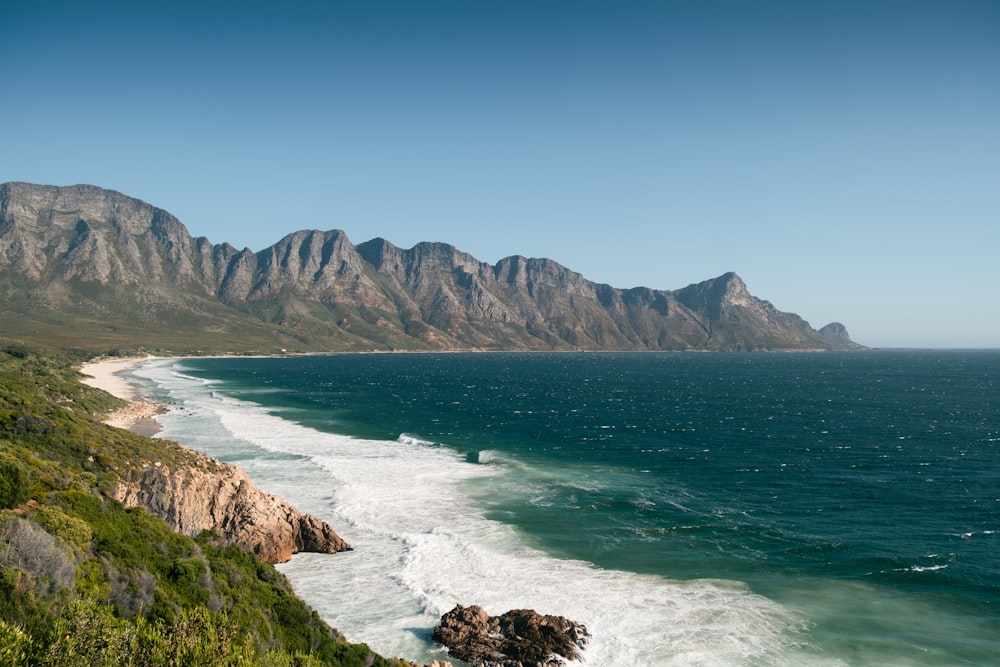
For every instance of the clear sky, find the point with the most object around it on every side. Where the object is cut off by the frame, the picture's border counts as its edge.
(842, 157)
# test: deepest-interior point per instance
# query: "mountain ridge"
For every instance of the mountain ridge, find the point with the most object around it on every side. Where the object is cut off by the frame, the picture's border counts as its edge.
(127, 272)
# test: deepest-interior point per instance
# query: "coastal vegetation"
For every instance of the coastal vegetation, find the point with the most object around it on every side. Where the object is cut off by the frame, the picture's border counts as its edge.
(85, 580)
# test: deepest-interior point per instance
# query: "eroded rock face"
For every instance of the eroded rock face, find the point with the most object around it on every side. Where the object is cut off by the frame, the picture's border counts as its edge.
(221, 497)
(519, 638)
(82, 249)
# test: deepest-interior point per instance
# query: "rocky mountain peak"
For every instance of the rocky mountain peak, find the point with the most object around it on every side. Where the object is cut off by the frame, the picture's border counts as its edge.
(836, 333)
(379, 252)
(85, 233)
(127, 265)
(717, 294)
(30, 205)
(733, 290)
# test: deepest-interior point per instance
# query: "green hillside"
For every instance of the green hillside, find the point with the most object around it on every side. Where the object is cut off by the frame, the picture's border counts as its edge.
(84, 580)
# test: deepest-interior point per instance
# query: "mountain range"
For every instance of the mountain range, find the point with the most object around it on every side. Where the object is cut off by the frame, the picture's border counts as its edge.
(85, 266)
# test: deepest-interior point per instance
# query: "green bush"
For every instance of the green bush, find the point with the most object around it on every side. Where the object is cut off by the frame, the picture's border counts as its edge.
(69, 529)
(26, 546)
(15, 482)
(15, 646)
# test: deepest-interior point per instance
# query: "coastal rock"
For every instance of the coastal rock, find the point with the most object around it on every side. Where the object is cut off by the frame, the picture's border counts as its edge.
(208, 495)
(132, 413)
(836, 333)
(518, 638)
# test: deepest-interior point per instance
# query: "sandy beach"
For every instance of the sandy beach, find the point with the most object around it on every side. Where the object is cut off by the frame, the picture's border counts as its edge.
(108, 374)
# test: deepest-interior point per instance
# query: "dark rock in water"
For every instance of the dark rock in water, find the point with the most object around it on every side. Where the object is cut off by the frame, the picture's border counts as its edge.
(519, 638)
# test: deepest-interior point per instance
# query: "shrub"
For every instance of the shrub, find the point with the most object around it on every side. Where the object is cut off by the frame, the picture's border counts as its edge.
(24, 545)
(89, 633)
(69, 529)
(15, 482)
(15, 646)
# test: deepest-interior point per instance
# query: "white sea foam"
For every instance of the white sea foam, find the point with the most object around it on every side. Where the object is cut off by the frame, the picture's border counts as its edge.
(407, 439)
(487, 456)
(422, 544)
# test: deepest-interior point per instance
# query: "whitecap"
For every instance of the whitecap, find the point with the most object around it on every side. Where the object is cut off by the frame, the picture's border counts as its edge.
(407, 439)
(423, 543)
(486, 456)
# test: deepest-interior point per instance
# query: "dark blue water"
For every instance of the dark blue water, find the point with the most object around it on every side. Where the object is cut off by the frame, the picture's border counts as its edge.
(859, 490)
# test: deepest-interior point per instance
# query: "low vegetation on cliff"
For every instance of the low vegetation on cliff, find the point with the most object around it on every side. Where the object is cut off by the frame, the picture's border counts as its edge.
(86, 580)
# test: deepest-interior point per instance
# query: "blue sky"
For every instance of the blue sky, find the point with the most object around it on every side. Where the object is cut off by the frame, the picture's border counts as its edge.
(842, 157)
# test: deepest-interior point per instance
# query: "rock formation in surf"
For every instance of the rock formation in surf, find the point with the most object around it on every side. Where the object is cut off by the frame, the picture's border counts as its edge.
(518, 638)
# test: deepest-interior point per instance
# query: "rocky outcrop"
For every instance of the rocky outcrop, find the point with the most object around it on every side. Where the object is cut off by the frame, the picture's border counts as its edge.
(207, 495)
(836, 333)
(133, 413)
(736, 320)
(519, 638)
(100, 236)
(81, 249)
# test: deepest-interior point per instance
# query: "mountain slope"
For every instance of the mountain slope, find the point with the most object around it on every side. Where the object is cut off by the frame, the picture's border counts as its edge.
(83, 263)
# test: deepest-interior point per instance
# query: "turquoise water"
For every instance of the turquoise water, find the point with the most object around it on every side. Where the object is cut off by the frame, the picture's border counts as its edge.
(737, 509)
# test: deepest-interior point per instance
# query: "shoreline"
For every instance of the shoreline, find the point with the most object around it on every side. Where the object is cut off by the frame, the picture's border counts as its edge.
(139, 416)
(108, 374)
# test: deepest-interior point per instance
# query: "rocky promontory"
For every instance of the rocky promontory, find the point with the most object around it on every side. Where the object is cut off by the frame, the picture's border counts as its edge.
(208, 495)
(836, 333)
(518, 638)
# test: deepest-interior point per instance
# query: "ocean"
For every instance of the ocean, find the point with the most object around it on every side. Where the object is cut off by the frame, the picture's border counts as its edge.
(689, 509)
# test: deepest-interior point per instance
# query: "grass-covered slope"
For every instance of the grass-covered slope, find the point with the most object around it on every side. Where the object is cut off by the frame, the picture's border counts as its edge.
(84, 580)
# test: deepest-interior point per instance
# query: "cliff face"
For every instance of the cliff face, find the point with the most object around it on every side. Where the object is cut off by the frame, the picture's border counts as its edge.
(836, 333)
(737, 320)
(92, 252)
(100, 236)
(217, 496)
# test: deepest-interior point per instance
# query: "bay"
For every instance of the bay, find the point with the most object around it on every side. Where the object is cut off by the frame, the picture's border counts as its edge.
(690, 509)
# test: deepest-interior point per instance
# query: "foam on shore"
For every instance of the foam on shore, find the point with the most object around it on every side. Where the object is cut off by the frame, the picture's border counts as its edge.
(423, 543)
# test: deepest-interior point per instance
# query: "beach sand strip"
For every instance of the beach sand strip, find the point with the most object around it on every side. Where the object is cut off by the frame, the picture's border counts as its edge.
(109, 374)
